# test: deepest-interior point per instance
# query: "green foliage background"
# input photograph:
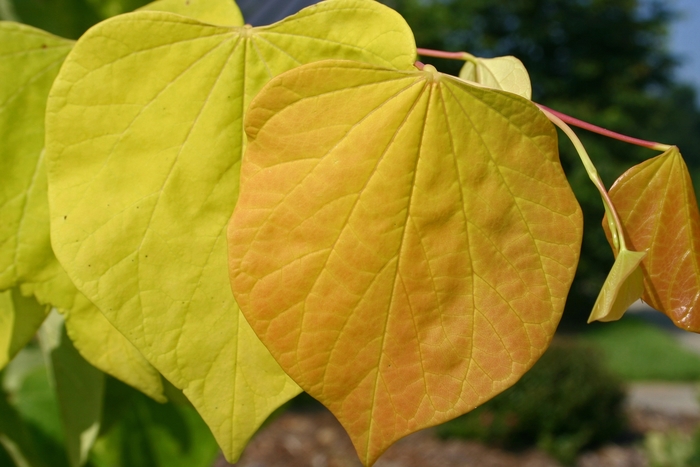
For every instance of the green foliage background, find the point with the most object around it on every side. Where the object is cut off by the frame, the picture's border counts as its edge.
(605, 62)
(65, 18)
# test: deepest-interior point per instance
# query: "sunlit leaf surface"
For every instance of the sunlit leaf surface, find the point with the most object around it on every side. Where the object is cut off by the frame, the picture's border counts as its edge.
(404, 242)
(506, 73)
(222, 12)
(623, 286)
(144, 146)
(29, 62)
(657, 206)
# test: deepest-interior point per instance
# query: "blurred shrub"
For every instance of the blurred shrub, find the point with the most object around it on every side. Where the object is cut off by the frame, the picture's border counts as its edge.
(566, 403)
(671, 449)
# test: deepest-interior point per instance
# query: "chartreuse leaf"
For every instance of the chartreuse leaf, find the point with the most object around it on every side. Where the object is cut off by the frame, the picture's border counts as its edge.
(144, 144)
(656, 204)
(29, 62)
(20, 317)
(79, 389)
(506, 73)
(623, 286)
(403, 244)
(223, 12)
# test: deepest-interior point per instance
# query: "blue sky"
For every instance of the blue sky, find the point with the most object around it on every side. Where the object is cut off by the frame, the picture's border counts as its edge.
(685, 39)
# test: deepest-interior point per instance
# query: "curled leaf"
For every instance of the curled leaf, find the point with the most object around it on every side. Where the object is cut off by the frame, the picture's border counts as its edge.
(404, 242)
(505, 73)
(656, 204)
(623, 286)
(144, 131)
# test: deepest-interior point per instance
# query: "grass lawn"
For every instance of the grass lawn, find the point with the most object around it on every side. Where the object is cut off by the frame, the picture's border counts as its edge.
(636, 350)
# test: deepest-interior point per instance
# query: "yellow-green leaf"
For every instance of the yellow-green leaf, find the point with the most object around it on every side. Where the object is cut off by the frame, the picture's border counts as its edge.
(506, 73)
(29, 62)
(403, 244)
(144, 132)
(656, 204)
(222, 12)
(30, 59)
(20, 317)
(623, 286)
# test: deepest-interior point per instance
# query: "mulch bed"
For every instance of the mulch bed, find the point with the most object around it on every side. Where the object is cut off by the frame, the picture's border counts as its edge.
(316, 439)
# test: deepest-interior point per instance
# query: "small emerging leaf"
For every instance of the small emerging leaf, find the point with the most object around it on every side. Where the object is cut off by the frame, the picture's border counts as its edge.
(404, 242)
(506, 73)
(623, 286)
(656, 204)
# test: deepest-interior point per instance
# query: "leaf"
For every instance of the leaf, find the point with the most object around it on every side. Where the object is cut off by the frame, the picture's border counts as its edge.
(656, 204)
(29, 62)
(20, 317)
(144, 131)
(27, 382)
(221, 12)
(505, 73)
(79, 389)
(403, 244)
(623, 286)
(31, 58)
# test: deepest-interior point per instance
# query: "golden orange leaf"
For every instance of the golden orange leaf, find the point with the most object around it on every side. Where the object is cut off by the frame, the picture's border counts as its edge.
(657, 206)
(403, 243)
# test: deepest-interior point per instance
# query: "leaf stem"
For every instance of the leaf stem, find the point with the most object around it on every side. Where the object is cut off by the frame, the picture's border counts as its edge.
(613, 218)
(602, 131)
(442, 54)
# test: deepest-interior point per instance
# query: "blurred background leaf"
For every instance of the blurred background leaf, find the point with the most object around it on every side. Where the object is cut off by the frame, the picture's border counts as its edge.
(65, 18)
(78, 387)
(136, 431)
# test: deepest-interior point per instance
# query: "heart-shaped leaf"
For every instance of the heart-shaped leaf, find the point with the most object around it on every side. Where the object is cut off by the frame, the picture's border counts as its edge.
(656, 204)
(506, 73)
(623, 286)
(144, 131)
(404, 242)
(30, 59)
